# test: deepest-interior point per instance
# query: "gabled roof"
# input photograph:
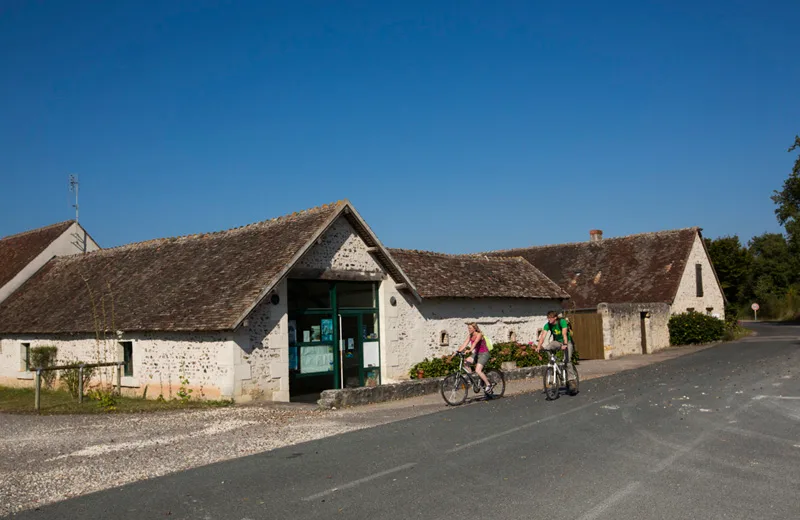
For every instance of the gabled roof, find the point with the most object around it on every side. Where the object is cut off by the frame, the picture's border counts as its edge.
(438, 275)
(17, 251)
(642, 268)
(202, 282)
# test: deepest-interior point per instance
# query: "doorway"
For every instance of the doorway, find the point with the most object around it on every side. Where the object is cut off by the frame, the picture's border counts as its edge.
(359, 349)
(644, 319)
(333, 336)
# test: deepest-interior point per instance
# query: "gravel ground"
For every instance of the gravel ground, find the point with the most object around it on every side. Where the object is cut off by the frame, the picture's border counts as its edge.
(51, 458)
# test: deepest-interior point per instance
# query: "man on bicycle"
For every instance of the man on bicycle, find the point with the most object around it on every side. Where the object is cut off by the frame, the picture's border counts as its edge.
(562, 340)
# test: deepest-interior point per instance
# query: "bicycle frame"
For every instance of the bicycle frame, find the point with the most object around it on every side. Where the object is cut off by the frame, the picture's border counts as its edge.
(472, 376)
(560, 369)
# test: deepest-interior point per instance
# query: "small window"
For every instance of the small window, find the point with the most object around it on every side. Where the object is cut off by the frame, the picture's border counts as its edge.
(709, 310)
(689, 309)
(512, 336)
(444, 339)
(127, 357)
(698, 271)
(25, 357)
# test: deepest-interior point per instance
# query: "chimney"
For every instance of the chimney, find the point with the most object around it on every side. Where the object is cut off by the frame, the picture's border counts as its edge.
(595, 235)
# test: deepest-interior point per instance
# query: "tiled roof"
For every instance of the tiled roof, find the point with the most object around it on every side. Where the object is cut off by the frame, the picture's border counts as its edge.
(437, 275)
(193, 283)
(17, 251)
(643, 268)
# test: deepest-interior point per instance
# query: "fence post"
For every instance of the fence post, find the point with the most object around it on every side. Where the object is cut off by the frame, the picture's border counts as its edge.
(37, 401)
(80, 384)
(119, 379)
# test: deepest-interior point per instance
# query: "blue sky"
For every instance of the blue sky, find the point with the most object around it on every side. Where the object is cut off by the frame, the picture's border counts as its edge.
(451, 125)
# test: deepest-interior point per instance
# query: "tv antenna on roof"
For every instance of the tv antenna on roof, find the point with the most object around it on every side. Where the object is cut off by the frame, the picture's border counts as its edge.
(73, 186)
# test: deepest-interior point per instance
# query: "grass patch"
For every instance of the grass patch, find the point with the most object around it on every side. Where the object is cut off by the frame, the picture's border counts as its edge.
(20, 400)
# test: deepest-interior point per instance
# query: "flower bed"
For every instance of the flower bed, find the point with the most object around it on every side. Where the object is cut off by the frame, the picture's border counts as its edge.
(524, 354)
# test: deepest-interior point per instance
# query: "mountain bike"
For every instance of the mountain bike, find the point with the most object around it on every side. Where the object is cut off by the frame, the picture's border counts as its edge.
(555, 377)
(455, 386)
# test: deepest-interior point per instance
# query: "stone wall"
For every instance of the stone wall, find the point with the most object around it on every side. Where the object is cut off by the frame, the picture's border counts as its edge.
(686, 296)
(160, 360)
(622, 328)
(262, 359)
(340, 248)
(413, 331)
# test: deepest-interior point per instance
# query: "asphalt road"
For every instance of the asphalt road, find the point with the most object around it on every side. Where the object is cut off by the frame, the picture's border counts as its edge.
(714, 434)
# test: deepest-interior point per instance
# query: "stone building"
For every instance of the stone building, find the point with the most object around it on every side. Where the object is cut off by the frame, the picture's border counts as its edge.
(23, 254)
(277, 310)
(623, 290)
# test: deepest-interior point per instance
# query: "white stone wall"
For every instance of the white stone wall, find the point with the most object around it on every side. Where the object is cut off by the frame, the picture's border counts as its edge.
(622, 328)
(160, 361)
(686, 296)
(412, 331)
(340, 248)
(62, 246)
(262, 358)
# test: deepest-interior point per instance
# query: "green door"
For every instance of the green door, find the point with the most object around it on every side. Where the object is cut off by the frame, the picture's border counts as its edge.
(359, 348)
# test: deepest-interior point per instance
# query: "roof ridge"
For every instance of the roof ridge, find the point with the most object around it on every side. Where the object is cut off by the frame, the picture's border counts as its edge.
(477, 256)
(588, 242)
(281, 218)
(36, 230)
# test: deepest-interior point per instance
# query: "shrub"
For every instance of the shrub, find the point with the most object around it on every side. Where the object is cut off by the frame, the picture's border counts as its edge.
(524, 354)
(44, 357)
(692, 327)
(71, 376)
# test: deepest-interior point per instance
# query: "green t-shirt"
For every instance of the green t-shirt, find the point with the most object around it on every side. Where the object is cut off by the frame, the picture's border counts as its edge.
(556, 329)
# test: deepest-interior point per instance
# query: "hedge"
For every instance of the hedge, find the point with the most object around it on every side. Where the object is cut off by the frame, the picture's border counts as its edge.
(693, 327)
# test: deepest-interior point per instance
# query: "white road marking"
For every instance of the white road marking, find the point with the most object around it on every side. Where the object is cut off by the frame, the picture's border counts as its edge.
(603, 506)
(528, 425)
(359, 481)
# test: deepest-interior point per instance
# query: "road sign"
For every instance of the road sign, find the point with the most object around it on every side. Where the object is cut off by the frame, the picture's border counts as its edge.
(755, 307)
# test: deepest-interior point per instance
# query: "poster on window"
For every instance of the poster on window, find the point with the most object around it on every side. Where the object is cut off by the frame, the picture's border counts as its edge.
(292, 332)
(316, 359)
(327, 330)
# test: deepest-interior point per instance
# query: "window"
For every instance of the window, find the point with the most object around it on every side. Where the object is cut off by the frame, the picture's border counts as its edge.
(356, 295)
(698, 271)
(512, 336)
(309, 294)
(25, 357)
(127, 357)
(444, 339)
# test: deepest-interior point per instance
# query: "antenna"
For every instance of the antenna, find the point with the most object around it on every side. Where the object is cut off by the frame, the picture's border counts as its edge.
(79, 241)
(73, 186)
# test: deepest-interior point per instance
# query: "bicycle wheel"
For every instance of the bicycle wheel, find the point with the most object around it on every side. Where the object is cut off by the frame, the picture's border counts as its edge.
(454, 389)
(551, 384)
(496, 378)
(573, 390)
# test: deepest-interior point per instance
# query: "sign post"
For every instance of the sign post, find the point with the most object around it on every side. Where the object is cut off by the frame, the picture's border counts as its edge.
(755, 308)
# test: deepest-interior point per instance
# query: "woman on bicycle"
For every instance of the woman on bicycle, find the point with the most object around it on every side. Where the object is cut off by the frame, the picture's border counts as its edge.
(478, 348)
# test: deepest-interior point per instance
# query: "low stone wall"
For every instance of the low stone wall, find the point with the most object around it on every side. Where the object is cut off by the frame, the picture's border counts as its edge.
(403, 390)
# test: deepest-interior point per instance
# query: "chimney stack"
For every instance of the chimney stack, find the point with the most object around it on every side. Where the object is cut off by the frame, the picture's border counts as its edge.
(595, 235)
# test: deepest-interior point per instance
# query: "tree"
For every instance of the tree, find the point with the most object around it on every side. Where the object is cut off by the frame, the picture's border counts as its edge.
(732, 262)
(788, 202)
(774, 273)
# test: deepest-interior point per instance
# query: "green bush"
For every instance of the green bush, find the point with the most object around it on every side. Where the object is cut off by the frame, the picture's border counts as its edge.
(523, 353)
(692, 327)
(44, 357)
(71, 376)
